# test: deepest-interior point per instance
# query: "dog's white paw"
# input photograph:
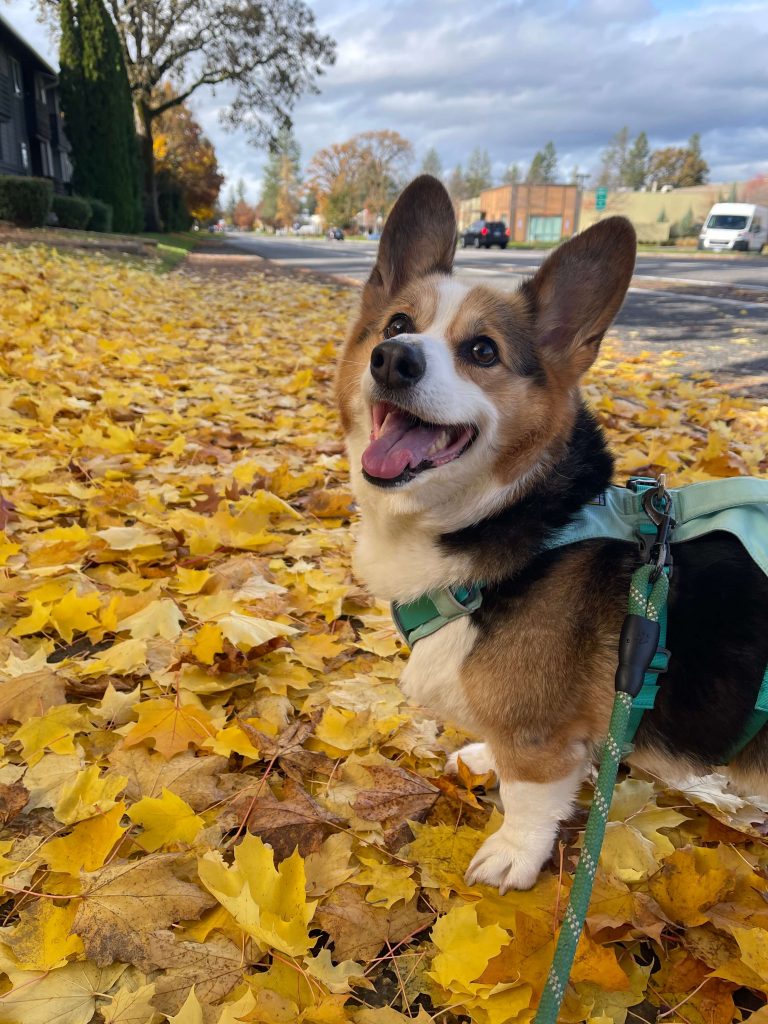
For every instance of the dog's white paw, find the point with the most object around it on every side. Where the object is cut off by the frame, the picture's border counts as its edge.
(476, 756)
(504, 864)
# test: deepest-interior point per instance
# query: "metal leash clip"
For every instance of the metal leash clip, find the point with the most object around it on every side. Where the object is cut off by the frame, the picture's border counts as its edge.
(657, 504)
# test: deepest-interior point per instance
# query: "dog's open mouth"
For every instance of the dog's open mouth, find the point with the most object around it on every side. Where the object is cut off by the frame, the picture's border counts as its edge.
(402, 445)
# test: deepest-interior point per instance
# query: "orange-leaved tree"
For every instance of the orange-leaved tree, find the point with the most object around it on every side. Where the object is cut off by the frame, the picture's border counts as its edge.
(186, 160)
(365, 172)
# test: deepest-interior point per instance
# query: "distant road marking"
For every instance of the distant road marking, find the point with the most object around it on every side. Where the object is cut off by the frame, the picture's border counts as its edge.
(686, 297)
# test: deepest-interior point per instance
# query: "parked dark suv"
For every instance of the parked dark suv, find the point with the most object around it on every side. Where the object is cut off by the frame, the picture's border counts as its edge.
(485, 233)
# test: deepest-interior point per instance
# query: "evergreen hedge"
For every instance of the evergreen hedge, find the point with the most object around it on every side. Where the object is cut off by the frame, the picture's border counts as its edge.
(25, 201)
(101, 215)
(72, 211)
(97, 105)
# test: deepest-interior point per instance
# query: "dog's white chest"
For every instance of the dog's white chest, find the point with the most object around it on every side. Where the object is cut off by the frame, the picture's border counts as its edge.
(432, 676)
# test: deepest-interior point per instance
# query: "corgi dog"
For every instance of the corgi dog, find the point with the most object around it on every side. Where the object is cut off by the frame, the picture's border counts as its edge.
(469, 444)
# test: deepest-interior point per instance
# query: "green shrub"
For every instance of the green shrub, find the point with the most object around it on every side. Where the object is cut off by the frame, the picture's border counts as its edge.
(25, 201)
(101, 215)
(72, 211)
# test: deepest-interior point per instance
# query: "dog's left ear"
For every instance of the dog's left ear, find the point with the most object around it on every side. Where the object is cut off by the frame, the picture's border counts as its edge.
(419, 237)
(578, 291)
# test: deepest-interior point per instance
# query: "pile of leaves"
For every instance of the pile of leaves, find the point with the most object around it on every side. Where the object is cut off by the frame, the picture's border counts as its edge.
(216, 805)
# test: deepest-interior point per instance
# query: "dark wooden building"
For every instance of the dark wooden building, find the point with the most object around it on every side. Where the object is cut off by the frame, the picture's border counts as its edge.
(32, 140)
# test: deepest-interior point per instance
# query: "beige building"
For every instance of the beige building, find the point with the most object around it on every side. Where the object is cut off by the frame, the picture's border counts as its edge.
(654, 214)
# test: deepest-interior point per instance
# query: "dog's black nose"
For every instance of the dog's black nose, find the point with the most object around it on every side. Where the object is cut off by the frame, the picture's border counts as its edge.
(395, 364)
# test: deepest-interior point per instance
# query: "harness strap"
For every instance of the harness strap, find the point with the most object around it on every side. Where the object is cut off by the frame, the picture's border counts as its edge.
(757, 719)
(416, 619)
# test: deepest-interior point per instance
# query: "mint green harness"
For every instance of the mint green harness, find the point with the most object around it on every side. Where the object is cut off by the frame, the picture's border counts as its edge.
(738, 505)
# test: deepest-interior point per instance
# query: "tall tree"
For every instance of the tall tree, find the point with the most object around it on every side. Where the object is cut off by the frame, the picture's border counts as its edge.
(281, 171)
(96, 100)
(230, 202)
(288, 194)
(432, 164)
(613, 160)
(269, 50)
(636, 165)
(457, 185)
(512, 175)
(543, 169)
(478, 176)
(695, 169)
(187, 159)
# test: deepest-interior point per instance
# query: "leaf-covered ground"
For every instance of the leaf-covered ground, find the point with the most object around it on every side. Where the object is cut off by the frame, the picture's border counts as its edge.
(217, 806)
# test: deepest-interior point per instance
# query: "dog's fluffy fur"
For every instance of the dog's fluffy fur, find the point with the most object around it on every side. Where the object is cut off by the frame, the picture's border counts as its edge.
(531, 671)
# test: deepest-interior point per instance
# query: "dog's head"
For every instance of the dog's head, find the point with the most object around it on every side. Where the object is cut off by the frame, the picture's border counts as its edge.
(453, 397)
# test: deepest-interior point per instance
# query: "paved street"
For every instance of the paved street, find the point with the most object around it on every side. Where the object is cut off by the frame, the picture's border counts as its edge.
(713, 309)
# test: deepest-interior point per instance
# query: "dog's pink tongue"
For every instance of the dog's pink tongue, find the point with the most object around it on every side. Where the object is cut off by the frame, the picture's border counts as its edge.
(398, 446)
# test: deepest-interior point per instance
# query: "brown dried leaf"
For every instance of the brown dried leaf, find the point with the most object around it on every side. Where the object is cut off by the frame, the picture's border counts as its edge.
(13, 799)
(194, 779)
(394, 795)
(124, 903)
(295, 822)
(359, 930)
(214, 967)
(22, 697)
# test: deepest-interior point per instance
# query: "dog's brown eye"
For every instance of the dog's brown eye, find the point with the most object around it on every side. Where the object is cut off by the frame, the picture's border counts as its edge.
(399, 324)
(483, 352)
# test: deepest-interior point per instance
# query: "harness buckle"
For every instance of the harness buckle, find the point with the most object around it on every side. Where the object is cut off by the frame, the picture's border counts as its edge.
(657, 505)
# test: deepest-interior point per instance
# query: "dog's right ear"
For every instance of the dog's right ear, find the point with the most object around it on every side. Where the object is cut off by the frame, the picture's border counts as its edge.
(419, 238)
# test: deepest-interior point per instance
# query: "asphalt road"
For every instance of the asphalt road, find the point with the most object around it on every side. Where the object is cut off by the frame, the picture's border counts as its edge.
(711, 309)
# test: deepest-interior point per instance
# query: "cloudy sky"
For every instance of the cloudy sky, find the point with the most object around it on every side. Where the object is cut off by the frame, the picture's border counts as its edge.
(512, 74)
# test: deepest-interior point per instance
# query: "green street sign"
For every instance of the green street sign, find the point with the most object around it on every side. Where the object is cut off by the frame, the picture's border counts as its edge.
(601, 195)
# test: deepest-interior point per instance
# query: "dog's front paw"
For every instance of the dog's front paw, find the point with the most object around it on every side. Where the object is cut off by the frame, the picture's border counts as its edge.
(504, 864)
(476, 756)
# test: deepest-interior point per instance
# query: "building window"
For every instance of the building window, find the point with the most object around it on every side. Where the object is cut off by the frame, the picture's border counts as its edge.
(66, 168)
(42, 92)
(47, 159)
(16, 76)
(25, 156)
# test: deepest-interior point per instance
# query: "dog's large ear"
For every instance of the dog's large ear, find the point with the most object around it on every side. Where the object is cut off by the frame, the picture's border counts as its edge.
(578, 291)
(419, 237)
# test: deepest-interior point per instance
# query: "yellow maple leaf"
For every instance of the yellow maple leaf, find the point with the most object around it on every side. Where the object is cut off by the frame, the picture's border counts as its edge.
(159, 618)
(122, 658)
(245, 631)
(268, 903)
(166, 820)
(88, 844)
(7, 548)
(89, 793)
(173, 727)
(72, 990)
(127, 538)
(55, 731)
(208, 643)
(465, 947)
(72, 614)
(33, 622)
(41, 941)
(191, 1011)
(191, 581)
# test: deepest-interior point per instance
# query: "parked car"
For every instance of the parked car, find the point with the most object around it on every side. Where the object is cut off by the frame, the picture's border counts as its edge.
(485, 233)
(741, 226)
(336, 234)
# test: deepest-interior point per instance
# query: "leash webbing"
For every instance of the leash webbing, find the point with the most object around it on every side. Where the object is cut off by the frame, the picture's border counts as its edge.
(647, 601)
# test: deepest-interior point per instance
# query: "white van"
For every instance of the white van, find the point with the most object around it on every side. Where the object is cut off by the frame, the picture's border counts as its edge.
(741, 226)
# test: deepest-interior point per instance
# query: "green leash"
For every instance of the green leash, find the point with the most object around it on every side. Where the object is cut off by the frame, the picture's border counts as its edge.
(637, 647)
